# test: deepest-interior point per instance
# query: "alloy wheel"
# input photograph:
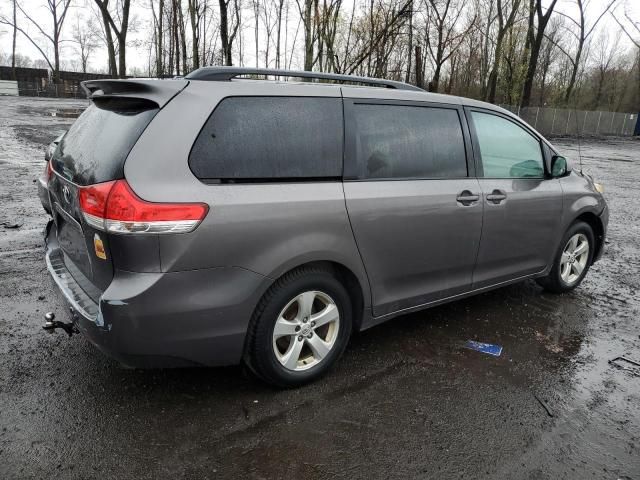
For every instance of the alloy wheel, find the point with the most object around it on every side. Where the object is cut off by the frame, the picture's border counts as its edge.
(574, 258)
(306, 330)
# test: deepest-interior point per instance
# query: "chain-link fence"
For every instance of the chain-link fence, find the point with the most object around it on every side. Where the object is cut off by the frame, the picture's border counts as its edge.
(564, 121)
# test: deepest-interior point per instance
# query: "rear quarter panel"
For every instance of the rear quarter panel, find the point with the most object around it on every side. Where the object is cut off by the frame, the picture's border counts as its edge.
(267, 228)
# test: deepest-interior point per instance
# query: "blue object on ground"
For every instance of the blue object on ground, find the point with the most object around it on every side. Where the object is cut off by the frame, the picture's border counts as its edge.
(489, 348)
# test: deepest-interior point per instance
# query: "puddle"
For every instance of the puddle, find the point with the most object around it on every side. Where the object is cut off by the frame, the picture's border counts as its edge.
(64, 112)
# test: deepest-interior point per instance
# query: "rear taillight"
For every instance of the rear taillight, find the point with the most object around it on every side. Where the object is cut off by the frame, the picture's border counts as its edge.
(114, 207)
(48, 171)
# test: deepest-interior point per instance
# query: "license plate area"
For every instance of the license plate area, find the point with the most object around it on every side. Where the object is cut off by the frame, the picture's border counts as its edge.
(71, 239)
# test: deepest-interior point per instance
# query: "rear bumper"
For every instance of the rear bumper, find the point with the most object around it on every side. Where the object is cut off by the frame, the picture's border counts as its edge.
(43, 194)
(148, 320)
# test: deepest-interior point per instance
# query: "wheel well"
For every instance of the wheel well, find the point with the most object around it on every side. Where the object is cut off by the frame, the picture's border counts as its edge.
(349, 281)
(598, 230)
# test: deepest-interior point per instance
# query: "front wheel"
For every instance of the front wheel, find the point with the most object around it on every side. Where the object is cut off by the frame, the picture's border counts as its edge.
(572, 261)
(300, 328)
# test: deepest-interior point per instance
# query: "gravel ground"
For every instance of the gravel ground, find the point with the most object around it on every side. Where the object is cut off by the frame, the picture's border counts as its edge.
(406, 401)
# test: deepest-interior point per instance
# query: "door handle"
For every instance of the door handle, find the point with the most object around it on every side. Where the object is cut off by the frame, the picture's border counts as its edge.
(496, 197)
(467, 198)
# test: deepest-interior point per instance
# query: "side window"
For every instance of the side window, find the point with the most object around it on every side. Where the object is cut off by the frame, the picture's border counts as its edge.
(397, 141)
(507, 150)
(270, 138)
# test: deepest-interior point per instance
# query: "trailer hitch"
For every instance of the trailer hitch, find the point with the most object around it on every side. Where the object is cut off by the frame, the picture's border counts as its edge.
(51, 324)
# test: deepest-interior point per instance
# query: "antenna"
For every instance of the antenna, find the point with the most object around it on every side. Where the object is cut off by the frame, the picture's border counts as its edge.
(575, 114)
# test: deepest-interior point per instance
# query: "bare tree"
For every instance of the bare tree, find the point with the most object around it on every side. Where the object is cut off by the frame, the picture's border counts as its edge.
(228, 32)
(58, 10)
(197, 10)
(84, 36)
(158, 30)
(120, 31)
(504, 24)
(535, 36)
(582, 35)
(443, 37)
(306, 14)
(373, 38)
(629, 31)
(605, 59)
(633, 33)
(13, 44)
(549, 54)
(279, 32)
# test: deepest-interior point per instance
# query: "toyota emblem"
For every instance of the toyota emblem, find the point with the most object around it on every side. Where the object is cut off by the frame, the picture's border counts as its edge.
(66, 193)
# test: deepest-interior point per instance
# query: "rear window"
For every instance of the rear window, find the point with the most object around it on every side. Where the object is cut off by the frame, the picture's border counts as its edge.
(408, 142)
(270, 138)
(97, 144)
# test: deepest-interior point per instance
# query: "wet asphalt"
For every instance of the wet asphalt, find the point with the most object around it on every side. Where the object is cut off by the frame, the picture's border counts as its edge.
(405, 401)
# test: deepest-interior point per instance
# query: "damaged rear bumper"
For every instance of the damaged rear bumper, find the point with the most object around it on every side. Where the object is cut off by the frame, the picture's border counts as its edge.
(164, 319)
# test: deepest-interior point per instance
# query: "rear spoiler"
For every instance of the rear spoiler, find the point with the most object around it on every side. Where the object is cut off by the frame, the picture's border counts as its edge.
(157, 91)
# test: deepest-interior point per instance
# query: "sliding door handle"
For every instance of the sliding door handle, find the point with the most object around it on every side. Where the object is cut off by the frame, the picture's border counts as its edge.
(496, 197)
(467, 198)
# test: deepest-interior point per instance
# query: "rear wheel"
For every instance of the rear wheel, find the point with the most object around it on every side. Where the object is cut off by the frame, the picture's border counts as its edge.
(572, 261)
(300, 328)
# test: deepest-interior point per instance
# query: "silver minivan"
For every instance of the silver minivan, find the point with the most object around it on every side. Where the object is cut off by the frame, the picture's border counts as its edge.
(219, 219)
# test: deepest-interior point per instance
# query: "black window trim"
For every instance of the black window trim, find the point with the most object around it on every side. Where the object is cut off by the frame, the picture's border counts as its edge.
(350, 169)
(216, 181)
(516, 121)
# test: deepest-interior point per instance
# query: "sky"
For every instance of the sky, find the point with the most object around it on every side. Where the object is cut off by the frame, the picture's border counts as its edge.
(137, 56)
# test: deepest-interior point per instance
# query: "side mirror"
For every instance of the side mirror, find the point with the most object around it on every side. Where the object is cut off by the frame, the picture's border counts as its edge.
(559, 166)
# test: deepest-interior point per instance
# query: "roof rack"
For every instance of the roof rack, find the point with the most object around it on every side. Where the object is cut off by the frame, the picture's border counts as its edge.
(221, 74)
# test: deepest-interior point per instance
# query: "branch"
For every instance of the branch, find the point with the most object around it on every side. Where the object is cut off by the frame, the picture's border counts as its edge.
(391, 24)
(35, 23)
(64, 14)
(608, 7)
(557, 45)
(635, 42)
(5, 21)
(569, 18)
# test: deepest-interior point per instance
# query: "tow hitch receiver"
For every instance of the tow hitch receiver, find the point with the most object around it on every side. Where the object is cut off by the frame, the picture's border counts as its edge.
(51, 324)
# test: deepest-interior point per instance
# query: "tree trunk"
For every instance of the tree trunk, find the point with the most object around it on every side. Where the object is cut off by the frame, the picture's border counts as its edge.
(531, 69)
(193, 14)
(111, 49)
(176, 37)
(278, 34)
(493, 76)
(183, 38)
(419, 69)
(454, 66)
(574, 73)
(56, 60)
(13, 47)
(434, 84)
(56, 48)
(224, 32)
(308, 35)
(543, 20)
(160, 41)
(407, 78)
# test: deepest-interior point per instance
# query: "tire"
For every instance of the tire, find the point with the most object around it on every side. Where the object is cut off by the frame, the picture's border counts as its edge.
(298, 303)
(558, 281)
